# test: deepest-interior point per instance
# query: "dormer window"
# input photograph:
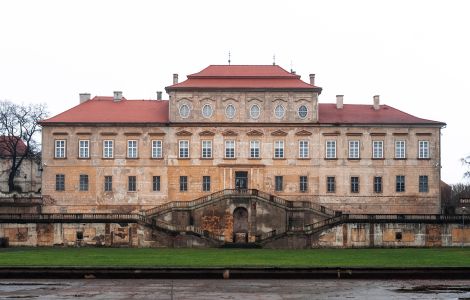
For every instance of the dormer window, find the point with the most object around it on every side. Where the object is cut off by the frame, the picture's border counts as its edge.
(303, 111)
(255, 111)
(184, 111)
(279, 111)
(230, 111)
(207, 111)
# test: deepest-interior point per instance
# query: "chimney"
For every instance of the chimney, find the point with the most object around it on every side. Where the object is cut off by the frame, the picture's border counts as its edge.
(117, 96)
(376, 102)
(339, 101)
(159, 95)
(312, 79)
(84, 97)
(175, 78)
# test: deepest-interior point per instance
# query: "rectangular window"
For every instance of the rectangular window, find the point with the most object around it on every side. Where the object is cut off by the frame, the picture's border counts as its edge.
(206, 183)
(278, 183)
(60, 182)
(330, 184)
(83, 148)
(83, 182)
(400, 183)
(423, 149)
(353, 150)
(59, 149)
(230, 149)
(400, 149)
(377, 184)
(330, 149)
(254, 149)
(303, 184)
(108, 183)
(278, 149)
(156, 183)
(108, 149)
(423, 184)
(354, 184)
(377, 149)
(132, 183)
(132, 149)
(183, 183)
(303, 149)
(183, 149)
(157, 149)
(206, 149)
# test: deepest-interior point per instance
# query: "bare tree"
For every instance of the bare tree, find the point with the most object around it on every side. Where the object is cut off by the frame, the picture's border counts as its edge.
(19, 126)
(466, 161)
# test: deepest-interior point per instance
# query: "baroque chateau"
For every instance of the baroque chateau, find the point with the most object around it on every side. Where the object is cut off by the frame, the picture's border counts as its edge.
(240, 127)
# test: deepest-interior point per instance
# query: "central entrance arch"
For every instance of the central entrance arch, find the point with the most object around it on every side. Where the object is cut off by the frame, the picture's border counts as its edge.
(240, 225)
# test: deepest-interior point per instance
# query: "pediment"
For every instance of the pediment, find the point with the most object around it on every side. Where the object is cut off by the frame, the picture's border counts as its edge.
(254, 133)
(303, 133)
(229, 133)
(279, 133)
(206, 133)
(184, 133)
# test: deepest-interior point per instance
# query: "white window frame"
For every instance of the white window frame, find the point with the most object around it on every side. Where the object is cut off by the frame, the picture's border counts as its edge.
(60, 148)
(210, 111)
(377, 149)
(229, 149)
(304, 149)
(281, 109)
(251, 111)
(206, 148)
(108, 148)
(400, 149)
(279, 149)
(423, 149)
(354, 149)
(255, 149)
(83, 148)
(330, 149)
(227, 114)
(157, 148)
(132, 149)
(183, 149)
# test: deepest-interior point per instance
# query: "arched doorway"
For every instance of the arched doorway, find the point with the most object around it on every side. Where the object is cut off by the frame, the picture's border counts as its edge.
(240, 225)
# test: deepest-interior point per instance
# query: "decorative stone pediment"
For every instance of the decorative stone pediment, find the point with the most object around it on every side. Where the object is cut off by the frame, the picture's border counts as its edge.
(254, 133)
(184, 133)
(229, 133)
(229, 99)
(206, 133)
(279, 133)
(303, 133)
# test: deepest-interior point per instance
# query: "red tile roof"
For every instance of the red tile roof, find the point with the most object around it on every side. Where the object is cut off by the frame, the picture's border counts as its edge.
(366, 114)
(243, 77)
(105, 110)
(7, 144)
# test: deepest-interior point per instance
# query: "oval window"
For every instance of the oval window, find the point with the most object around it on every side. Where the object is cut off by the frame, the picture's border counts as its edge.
(230, 111)
(303, 111)
(279, 111)
(255, 111)
(207, 111)
(184, 111)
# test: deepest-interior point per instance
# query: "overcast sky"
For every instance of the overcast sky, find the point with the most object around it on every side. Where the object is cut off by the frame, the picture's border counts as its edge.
(414, 54)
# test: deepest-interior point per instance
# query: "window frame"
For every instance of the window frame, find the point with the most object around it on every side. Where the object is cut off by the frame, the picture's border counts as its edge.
(59, 182)
(227, 114)
(306, 112)
(183, 182)
(132, 151)
(157, 149)
(63, 152)
(86, 149)
(331, 184)
(400, 149)
(278, 183)
(206, 152)
(354, 149)
(304, 149)
(423, 152)
(330, 144)
(423, 185)
(132, 183)
(355, 184)
(83, 183)
(279, 152)
(282, 110)
(377, 149)
(206, 183)
(229, 149)
(303, 184)
(378, 184)
(255, 150)
(156, 183)
(251, 111)
(400, 183)
(108, 183)
(108, 148)
(183, 149)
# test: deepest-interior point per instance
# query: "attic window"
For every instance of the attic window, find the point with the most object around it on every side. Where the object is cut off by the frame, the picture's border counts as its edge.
(303, 111)
(255, 111)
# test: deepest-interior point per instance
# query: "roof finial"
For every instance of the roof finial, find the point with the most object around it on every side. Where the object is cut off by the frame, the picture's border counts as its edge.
(274, 59)
(229, 58)
(291, 69)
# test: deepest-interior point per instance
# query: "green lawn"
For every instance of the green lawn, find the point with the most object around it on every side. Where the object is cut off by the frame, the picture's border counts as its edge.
(454, 257)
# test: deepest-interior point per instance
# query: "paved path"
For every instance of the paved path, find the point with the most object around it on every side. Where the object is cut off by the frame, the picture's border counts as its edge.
(233, 289)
